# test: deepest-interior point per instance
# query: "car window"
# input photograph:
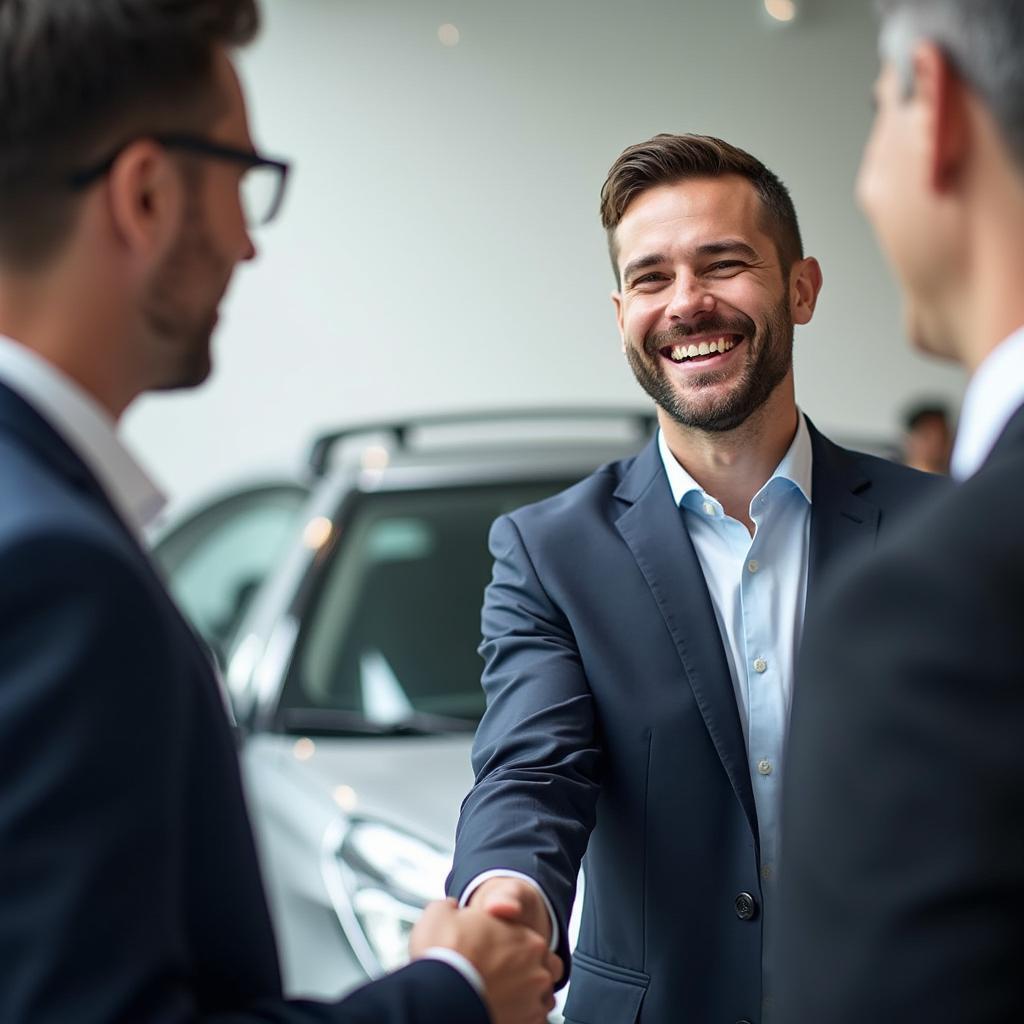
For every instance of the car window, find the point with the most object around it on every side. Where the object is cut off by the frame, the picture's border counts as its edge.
(216, 559)
(394, 628)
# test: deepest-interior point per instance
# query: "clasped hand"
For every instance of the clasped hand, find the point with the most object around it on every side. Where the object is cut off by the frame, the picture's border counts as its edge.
(501, 935)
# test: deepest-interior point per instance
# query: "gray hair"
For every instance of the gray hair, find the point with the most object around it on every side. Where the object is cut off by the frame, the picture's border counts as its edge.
(984, 41)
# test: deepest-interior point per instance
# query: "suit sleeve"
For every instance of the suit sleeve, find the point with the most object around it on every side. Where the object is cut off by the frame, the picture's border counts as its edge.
(536, 755)
(424, 992)
(93, 722)
(902, 886)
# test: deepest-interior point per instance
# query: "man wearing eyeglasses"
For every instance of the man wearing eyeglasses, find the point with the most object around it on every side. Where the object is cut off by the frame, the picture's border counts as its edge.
(129, 888)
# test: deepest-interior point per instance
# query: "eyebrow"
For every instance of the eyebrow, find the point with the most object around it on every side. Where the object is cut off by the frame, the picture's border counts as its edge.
(728, 245)
(642, 263)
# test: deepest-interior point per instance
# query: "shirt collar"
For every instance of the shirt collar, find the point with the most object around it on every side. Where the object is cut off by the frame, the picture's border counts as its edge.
(796, 466)
(993, 395)
(86, 428)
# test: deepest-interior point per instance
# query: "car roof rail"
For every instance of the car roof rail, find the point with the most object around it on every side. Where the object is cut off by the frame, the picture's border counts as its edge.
(320, 451)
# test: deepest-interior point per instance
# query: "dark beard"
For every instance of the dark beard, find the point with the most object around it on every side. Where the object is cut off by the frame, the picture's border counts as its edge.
(766, 367)
(184, 337)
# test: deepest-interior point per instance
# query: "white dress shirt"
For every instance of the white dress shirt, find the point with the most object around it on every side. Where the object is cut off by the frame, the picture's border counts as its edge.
(995, 393)
(86, 428)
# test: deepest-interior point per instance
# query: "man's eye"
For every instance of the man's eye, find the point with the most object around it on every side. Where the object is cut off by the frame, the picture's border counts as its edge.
(725, 266)
(652, 278)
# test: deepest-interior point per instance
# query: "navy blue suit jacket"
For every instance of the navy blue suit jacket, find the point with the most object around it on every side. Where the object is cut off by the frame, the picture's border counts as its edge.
(129, 888)
(611, 718)
(902, 886)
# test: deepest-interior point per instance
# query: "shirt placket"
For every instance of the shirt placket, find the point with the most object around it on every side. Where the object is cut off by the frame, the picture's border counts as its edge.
(764, 688)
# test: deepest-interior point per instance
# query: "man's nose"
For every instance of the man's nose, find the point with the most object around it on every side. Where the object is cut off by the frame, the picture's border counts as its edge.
(690, 298)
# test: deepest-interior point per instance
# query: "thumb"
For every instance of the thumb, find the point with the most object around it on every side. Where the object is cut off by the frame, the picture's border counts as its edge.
(505, 908)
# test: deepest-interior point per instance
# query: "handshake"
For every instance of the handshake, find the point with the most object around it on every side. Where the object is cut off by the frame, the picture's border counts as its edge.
(505, 934)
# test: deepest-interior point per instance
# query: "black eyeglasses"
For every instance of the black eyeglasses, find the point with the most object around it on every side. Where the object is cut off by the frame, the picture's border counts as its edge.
(263, 182)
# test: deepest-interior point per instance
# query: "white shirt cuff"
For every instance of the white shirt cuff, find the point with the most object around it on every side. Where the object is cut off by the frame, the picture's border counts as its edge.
(460, 963)
(509, 873)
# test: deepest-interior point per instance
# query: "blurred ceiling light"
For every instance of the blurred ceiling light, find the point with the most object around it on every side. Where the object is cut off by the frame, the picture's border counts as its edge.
(781, 10)
(304, 749)
(449, 35)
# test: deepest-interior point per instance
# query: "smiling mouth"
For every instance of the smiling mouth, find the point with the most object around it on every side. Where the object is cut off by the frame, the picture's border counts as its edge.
(697, 351)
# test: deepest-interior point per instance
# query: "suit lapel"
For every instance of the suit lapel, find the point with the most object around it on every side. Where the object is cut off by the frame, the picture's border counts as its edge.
(1010, 440)
(840, 517)
(32, 431)
(653, 528)
(19, 419)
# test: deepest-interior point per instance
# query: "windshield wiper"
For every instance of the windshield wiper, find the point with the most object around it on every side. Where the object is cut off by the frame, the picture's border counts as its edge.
(336, 722)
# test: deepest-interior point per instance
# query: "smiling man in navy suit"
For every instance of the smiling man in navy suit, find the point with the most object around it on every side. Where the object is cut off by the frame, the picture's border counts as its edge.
(641, 628)
(129, 888)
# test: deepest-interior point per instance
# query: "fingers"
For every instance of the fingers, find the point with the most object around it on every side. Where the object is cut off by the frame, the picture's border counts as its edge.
(518, 969)
(511, 899)
(434, 927)
(504, 907)
(554, 967)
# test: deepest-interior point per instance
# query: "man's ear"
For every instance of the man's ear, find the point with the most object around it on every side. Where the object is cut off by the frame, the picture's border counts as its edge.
(805, 282)
(941, 97)
(147, 199)
(617, 303)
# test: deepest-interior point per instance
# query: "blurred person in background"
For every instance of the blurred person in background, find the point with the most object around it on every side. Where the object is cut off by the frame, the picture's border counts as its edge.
(640, 629)
(129, 887)
(928, 438)
(902, 889)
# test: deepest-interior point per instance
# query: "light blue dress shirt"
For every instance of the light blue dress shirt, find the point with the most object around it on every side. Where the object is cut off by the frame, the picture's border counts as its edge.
(758, 587)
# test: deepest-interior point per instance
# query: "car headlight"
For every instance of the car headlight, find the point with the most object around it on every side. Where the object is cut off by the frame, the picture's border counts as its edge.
(379, 879)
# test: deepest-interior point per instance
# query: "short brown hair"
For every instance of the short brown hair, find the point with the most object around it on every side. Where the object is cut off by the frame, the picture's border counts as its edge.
(667, 159)
(81, 76)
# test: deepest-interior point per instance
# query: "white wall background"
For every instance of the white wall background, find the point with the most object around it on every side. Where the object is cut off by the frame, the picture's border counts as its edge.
(440, 247)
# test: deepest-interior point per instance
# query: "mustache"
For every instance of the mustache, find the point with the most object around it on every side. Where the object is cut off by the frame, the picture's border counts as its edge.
(738, 324)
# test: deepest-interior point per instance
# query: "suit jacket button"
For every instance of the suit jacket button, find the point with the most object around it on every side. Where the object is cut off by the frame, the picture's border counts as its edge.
(746, 907)
(744, 1021)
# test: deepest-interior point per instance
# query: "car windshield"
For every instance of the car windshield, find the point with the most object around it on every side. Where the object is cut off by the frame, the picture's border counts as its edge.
(390, 641)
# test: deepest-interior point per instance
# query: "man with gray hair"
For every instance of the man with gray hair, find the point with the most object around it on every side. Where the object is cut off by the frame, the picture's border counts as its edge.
(902, 885)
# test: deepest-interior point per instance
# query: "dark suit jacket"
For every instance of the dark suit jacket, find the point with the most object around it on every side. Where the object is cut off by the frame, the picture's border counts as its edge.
(611, 710)
(903, 865)
(129, 888)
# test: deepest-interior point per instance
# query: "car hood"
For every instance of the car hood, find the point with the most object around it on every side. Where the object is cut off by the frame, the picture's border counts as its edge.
(416, 782)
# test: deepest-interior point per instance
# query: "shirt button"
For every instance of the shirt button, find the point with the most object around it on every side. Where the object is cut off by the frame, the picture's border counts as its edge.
(753, 565)
(764, 767)
(760, 665)
(709, 509)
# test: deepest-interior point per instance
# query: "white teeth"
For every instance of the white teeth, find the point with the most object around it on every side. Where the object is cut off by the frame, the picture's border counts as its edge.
(678, 353)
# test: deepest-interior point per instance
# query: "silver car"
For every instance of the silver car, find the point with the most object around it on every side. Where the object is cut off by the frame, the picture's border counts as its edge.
(345, 609)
